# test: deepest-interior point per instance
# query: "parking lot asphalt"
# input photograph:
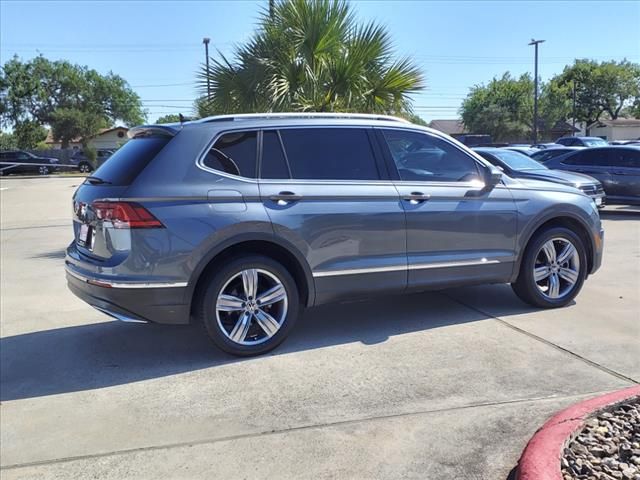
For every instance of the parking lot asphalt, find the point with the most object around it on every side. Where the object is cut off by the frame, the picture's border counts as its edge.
(448, 384)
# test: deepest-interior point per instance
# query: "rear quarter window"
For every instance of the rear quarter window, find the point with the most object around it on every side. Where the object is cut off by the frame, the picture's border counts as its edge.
(234, 153)
(125, 165)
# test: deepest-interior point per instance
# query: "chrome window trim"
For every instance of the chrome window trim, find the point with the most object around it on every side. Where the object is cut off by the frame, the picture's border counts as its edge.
(407, 128)
(87, 279)
(203, 153)
(402, 268)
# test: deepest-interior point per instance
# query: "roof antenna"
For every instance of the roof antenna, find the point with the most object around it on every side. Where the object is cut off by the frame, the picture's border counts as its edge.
(181, 117)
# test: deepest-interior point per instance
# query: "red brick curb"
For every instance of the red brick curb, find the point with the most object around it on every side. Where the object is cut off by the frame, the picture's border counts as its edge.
(541, 457)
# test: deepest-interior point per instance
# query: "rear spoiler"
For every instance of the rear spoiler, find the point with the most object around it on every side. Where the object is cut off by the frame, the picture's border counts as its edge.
(167, 130)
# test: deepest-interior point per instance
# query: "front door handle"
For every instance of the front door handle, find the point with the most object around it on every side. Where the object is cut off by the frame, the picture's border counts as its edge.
(415, 198)
(284, 198)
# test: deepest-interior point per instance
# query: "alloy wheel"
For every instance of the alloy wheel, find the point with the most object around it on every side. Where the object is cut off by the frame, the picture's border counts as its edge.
(251, 307)
(557, 268)
(43, 170)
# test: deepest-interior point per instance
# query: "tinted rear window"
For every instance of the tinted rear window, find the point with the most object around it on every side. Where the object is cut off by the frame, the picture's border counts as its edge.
(329, 154)
(128, 161)
(234, 153)
(274, 163)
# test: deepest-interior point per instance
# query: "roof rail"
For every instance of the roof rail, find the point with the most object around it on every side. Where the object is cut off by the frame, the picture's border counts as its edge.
(294, 115)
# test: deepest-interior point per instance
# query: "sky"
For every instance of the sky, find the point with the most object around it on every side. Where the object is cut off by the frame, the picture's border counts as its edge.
(157, 45)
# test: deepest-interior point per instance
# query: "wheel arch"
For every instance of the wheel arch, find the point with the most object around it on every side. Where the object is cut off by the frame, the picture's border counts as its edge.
(565, 220)
(268, 245)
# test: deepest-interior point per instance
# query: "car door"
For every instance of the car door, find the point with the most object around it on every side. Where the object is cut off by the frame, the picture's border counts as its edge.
(624, 169)
(456, 233)
(327, 192)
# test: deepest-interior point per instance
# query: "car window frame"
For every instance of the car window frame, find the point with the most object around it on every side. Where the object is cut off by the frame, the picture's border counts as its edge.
(377, 156)
(205, 151)
(377, 153)
(395, 174)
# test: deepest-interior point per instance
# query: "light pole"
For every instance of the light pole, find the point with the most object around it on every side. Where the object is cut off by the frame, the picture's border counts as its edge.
(574, 109)
(206, 41)
(535, 92)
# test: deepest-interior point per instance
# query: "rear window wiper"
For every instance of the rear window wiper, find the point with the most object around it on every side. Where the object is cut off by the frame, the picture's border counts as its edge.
(96, 181)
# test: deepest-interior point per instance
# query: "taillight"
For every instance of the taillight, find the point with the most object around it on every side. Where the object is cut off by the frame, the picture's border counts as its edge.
(125, 215)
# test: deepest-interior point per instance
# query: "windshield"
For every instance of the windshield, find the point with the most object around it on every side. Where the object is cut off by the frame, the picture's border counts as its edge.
(594, 142)
(517, 160)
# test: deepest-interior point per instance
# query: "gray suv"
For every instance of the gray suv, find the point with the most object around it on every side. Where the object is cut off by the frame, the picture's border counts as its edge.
(238, 222)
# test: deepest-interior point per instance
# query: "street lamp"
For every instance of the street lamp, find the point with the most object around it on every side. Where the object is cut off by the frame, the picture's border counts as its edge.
(206, 41)
(535, 43)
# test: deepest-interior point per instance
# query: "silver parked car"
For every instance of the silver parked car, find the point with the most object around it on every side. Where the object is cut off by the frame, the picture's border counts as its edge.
(238, 222)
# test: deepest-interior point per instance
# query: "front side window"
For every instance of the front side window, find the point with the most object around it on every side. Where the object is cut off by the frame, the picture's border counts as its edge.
(422, 157)
(329, 154)
(234, 153)
(624, 158)
(587, 157)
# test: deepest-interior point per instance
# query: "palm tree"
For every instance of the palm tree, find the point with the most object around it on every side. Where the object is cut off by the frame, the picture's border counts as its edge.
(311, 55)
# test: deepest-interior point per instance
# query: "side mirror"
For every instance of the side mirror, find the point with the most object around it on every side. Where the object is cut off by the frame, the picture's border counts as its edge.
(492, 177)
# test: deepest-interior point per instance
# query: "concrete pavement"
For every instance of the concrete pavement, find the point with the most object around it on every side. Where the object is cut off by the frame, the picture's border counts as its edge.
(437, 385)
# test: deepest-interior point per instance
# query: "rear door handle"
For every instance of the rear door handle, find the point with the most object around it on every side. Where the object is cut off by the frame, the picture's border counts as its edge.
(416, 197)
(284, 198)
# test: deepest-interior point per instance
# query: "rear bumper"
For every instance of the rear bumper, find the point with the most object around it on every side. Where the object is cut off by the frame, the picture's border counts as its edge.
(138, 302)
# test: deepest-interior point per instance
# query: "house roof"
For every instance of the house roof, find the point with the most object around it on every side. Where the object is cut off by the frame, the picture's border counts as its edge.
(102, 131)
(618, 122)
(450, 127)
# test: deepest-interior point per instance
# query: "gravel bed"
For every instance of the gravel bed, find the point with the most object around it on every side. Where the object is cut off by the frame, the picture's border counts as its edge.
(608, 447)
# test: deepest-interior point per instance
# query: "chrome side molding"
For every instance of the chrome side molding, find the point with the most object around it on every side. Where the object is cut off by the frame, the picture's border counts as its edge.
(403, 268)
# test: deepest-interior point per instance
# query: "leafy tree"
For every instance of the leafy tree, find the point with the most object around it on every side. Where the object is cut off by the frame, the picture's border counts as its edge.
(602, 88)
(29, 134)
(170, 118)
(72, 99)
(311, 55)
(8, 141)
(503, 108)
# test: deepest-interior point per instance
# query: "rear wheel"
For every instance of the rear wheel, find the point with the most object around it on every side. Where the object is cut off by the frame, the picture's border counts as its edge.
(553, 269)
(85, 168)
(43, 170)
(249, 306)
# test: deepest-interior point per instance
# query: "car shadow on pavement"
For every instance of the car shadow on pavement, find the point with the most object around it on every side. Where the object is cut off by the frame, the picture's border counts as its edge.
(52, 255)
(110, 353)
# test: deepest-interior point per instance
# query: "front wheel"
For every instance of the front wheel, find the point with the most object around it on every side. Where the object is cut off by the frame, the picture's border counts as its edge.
(553, 269)
(42, 170)
(85, 168)
(249, 306)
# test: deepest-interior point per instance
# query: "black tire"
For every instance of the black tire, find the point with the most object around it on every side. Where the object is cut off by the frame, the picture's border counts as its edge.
(43, 170)
(213, 284)
(525, 285)
(85, 167)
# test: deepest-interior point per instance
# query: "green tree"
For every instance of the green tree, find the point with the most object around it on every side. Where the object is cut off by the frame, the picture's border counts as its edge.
(602, 88)
(170, 118)
(29, 134)
(311, 55)
(73, 100)
(503, 108)
(8, 141)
